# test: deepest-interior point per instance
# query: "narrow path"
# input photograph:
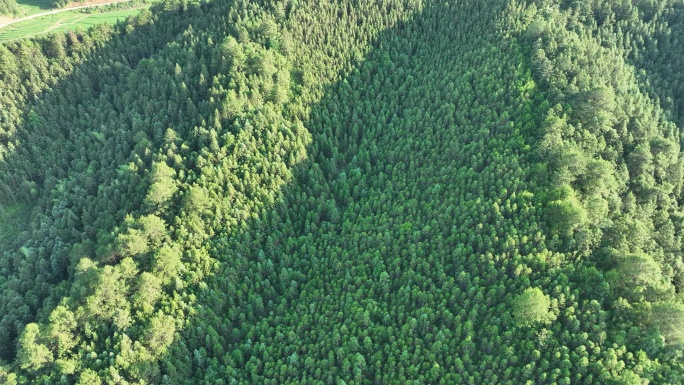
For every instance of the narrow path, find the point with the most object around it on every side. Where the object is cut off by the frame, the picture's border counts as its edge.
(59, 24)
(60, 10)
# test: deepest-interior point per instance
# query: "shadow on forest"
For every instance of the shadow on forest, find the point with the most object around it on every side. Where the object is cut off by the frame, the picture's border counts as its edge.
(358, 251)
(41, 4)
(358, 207)
(367, 233)
(258, 262)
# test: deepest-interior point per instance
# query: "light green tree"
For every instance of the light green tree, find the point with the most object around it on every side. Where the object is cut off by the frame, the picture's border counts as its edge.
(89, 377)
(33, 354)
(163, 185)
(638, 277)
(668, 318)
(531, 307)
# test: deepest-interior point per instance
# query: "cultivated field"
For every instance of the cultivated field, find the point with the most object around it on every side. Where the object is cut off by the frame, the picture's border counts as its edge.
(61, 22)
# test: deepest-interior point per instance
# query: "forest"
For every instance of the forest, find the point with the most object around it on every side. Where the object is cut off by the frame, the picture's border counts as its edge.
(8, 7)
(346, 192)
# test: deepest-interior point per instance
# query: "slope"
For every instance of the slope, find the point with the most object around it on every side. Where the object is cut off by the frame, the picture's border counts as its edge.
(396, 254)
(305, 192)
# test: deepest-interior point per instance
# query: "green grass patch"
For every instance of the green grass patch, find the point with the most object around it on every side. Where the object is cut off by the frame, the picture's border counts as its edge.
(88, 20)
(62, 22)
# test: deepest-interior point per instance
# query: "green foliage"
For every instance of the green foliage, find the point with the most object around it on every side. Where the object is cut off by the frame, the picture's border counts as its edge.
(8, 7)
(344, 192)
(34, 355)
(564, 211)
(89, 377)
(162, 186)
(637, 277)
(159, 334)
(532, 307)
(668, 318)
(7, 377)
(614, 145)
(628, 377)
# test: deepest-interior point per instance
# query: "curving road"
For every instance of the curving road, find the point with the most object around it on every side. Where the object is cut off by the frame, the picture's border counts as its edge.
(2, 25)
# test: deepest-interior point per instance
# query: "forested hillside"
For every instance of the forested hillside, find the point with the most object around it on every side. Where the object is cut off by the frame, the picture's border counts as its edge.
(346, 192)
(7, 7)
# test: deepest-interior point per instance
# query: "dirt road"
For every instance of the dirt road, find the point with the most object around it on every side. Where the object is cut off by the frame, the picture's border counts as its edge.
(2, 25)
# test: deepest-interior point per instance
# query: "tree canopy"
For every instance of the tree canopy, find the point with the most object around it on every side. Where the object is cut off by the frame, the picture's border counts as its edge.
(531, 307)
(276, 192)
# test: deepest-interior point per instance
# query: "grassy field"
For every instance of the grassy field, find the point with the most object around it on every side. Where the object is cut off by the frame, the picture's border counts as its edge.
(62, 22)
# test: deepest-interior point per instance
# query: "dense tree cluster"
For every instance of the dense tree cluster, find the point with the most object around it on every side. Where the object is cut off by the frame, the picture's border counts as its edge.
(613, 152)
(8, 7)
(350, 192)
